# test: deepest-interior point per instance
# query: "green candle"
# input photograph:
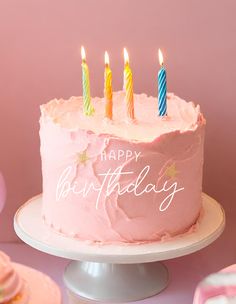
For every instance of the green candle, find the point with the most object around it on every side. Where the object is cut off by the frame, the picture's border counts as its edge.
(87, 105)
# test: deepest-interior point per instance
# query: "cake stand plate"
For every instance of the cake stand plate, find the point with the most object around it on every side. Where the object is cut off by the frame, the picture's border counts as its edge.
(115, 273)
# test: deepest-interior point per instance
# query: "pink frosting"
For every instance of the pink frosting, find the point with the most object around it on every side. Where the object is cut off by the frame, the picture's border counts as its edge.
(116, 181)
(12, 287)
(216, 287)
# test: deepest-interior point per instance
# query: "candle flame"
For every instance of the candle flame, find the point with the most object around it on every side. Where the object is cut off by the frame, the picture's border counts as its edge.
(126, 56)
(107, 61)
(160, 55)
(83, 55)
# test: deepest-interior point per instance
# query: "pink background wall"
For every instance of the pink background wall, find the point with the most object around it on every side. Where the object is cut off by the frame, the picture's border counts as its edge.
(40, 60)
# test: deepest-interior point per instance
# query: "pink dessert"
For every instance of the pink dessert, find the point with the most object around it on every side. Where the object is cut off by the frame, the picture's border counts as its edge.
(23, 285)
(114, 181)
(217, 288)
(13, 289)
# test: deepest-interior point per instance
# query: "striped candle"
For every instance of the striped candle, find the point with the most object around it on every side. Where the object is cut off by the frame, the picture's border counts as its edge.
(87, 105)
(162, 87)
(108, 88)
(128, 87)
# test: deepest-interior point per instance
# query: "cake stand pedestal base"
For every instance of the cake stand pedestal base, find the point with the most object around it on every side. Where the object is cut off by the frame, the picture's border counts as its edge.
(115, 273)
(114, 282)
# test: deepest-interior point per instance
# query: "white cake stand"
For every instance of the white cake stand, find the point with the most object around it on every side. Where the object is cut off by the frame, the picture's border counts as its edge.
(115, 273)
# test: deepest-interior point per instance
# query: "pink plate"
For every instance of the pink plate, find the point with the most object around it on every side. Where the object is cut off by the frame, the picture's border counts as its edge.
(42, 289)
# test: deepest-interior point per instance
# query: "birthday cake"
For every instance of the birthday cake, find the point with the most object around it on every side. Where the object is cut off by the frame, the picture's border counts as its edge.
(116, 181)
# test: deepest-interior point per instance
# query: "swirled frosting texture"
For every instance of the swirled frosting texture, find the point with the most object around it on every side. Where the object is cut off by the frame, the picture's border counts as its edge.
(218, 288)
(118, 181)
(12, 288)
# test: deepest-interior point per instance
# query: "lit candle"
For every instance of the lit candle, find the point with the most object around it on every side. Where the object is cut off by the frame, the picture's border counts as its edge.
(108, 88)
(128, 87)
(161, 86)
(87, 105)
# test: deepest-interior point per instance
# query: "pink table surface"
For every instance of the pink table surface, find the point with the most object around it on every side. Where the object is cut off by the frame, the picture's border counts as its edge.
(185, 272)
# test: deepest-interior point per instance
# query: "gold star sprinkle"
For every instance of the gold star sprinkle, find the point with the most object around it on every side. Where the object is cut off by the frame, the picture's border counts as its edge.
(82, 157)
(171, 171)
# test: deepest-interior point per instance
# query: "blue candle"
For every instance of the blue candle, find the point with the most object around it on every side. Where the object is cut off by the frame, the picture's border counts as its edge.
(162, 87)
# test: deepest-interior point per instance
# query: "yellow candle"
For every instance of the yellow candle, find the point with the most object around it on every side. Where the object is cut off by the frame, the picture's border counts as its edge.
(128, 87)
(108, 88)
(87, 105)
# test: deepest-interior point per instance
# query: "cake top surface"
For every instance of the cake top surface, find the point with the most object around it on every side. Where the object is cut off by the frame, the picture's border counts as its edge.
(182, 116)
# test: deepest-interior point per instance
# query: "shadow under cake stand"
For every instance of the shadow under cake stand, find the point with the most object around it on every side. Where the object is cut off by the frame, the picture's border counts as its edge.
(115, 273)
